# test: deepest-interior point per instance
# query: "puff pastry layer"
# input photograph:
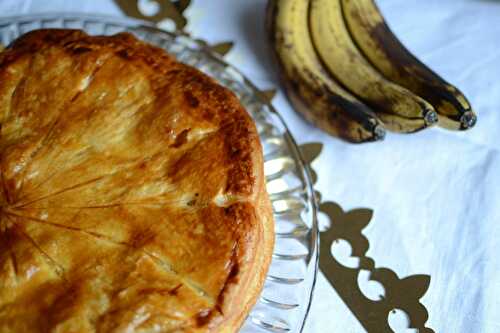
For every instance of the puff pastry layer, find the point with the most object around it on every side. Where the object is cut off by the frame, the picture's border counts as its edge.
(132, 194)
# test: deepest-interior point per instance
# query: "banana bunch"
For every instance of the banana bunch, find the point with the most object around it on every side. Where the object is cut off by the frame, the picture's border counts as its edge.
(346, 72)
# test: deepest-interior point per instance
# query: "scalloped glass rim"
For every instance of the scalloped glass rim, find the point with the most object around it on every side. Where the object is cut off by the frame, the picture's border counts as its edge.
(291, 203)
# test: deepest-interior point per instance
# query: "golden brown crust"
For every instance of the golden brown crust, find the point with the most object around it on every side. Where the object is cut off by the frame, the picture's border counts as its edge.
(132, 192)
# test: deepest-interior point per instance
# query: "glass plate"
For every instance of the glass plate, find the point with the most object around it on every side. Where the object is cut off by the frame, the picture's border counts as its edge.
(286, 298)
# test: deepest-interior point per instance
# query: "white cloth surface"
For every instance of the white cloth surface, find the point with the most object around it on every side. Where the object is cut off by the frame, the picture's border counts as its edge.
(435, 194)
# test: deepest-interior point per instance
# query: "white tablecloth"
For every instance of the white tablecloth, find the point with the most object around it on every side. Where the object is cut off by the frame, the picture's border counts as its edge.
(436, 194)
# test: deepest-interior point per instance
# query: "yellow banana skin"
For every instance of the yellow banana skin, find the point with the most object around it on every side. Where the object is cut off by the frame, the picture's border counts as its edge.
(311, 90)
(401, 124)
(346, 62)
(389, 56)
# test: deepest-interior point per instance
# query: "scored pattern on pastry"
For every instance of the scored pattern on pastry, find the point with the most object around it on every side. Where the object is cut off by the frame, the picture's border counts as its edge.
(127, 188)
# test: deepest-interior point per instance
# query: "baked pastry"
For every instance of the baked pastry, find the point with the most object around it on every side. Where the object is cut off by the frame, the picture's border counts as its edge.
(132, 192)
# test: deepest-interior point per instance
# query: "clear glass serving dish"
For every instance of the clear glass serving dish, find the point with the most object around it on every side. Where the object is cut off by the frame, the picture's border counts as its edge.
(286, 298)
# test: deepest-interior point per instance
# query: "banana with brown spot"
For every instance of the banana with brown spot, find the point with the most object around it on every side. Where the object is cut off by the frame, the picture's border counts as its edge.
(399, 109)
(311, 89)
(379, 44)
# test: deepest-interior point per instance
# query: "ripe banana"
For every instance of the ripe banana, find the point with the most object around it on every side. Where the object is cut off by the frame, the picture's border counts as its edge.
(346, 62)
(388, 55)
(312, 91)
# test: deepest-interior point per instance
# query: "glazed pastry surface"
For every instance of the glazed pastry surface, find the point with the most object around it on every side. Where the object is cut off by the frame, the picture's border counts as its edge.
(132, 194)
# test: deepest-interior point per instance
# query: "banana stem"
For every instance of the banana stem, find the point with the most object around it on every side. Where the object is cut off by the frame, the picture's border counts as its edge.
(431, 117)
(379, 133)
(468, 119)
